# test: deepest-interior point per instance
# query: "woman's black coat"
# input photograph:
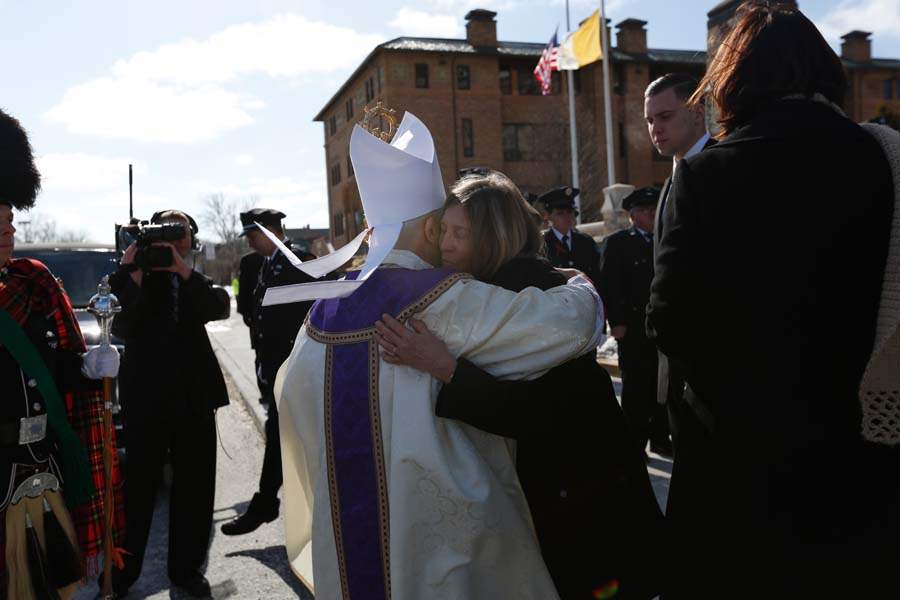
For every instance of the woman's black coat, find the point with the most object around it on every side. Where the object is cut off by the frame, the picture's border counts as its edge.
(587, 486)
(767, 280)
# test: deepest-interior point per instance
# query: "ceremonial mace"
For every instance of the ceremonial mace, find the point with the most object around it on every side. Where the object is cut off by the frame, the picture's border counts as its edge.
(104, 306)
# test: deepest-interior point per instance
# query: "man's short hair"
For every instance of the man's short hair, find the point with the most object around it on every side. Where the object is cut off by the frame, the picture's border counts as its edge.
(682, 83)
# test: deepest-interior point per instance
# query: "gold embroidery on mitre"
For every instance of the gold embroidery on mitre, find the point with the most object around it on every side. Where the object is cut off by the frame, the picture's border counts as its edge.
(380, 110)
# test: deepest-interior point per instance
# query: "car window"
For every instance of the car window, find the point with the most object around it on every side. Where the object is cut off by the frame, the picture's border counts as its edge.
(79, 270)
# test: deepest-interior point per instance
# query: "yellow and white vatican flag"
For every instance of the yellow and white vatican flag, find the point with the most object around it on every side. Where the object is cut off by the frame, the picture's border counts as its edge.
(398, 181)
(582, 46)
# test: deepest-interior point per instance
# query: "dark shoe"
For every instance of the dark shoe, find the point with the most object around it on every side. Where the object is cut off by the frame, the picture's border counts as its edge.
(255, 516)
(662, 447)
(196, 586)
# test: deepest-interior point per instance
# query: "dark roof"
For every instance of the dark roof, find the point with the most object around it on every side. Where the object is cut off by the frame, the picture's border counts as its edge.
(512, 49)
(875, 63)
(631, 23)
(856, 34)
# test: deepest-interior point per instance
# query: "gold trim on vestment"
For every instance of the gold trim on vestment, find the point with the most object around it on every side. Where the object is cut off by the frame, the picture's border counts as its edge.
(361, 335)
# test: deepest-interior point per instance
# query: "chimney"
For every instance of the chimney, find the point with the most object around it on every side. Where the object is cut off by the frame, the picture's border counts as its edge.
(481, 28)
(631, 36)
(857, 46)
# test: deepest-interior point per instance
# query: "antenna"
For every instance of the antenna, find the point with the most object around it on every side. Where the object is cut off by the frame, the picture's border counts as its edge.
(130, 198)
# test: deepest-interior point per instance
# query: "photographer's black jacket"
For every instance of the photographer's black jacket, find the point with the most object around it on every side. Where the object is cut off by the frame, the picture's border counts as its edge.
(168, 366)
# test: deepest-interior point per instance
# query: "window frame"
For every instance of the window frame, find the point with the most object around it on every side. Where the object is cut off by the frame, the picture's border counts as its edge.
(463, 82)
(467, 131)
(421, 78)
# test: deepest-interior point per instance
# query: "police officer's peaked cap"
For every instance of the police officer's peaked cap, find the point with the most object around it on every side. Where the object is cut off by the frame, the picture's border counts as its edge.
(263, 216)
(645, 196)
(561, 197)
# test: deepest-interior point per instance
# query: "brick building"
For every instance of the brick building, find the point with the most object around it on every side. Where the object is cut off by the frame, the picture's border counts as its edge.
(479, 98)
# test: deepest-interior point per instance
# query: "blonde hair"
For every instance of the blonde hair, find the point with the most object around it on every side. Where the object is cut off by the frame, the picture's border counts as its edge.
(504, 225)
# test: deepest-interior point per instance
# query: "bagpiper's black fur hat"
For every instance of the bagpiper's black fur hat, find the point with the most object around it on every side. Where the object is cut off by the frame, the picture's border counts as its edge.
(20, 181)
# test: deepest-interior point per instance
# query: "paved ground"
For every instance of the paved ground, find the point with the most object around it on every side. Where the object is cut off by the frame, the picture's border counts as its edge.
(245, 567)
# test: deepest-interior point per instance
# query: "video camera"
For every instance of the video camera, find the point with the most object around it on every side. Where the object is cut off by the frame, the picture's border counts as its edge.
(145, 235)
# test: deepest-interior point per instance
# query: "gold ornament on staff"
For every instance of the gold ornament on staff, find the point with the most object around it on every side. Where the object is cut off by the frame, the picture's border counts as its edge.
(380, 110)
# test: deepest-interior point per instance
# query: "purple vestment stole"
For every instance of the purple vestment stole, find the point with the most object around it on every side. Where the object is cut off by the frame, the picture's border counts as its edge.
(355, 459)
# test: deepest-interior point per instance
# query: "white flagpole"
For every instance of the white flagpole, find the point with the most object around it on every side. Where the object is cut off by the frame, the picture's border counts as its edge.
(607, 102)
(573, 134)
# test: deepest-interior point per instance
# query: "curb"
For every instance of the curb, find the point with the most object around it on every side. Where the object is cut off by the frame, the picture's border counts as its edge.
(247, 392)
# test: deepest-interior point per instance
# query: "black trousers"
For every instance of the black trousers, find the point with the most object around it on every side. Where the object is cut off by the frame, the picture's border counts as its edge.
(190, 441)
(271, 477)
(638, 364)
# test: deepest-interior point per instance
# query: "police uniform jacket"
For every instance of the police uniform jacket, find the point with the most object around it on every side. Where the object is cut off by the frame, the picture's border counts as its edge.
(276, 327)
(248, 277)
(168, 367)
(583, 256)
(626, 269)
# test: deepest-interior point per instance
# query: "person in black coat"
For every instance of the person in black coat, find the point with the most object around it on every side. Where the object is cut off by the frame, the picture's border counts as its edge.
(593, 507)
(565, 246)
(274, 329)
(679, 131)
(626, 269)
(773, 483)
(248, 276)
(171, 385)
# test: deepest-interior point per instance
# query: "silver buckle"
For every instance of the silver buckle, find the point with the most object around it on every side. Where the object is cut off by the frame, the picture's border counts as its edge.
(32, 429)
(34, 486)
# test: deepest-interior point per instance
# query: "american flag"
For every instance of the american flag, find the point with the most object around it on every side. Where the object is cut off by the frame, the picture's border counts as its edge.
(543, 72)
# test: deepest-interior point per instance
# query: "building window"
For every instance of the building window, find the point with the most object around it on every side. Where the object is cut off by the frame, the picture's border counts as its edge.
(463, 77)
(555, 82)
(370, 89)
(576, 80)
(618, 83)
(360, 218)
(528, 84)
(349, 167)
(336, 174)
(332, 124)
(338, 224)
(468, 138)
(349, 109)
(421, 75)
(517, 142)
(505, 80)
(889, 89)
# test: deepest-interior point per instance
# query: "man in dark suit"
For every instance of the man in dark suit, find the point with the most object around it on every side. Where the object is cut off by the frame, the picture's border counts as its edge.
(566, 246)
(171, 385)
(274, 329)
(679, 132)
(626, 269)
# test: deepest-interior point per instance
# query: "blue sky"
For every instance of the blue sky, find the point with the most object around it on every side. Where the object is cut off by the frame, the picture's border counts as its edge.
(218, 96)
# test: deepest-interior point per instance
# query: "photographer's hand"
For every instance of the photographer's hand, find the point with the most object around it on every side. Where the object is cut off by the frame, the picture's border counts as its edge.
(178, 265)
(128, 258)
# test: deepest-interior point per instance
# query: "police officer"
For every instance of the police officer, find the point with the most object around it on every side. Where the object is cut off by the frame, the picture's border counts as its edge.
(566, 246)
(626, 270)
(274, 329)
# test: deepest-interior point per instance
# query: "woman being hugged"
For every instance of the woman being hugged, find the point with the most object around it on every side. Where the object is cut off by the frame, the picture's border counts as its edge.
(587, 487)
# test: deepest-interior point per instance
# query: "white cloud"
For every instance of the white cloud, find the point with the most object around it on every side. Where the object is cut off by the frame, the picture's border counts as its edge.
(79, 172)
(411, 21)
(243, 160)
(184, 92)
(882, 17)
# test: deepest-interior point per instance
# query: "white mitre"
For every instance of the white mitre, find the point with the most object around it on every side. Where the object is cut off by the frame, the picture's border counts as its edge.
(397, 182)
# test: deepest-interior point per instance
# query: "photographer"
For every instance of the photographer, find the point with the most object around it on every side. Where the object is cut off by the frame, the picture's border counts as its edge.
(171, 384)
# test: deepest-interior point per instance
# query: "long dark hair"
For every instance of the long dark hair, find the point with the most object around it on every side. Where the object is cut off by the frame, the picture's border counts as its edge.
(773, 51)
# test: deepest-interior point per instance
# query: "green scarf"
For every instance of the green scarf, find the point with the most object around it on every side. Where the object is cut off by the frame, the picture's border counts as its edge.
(75, 465)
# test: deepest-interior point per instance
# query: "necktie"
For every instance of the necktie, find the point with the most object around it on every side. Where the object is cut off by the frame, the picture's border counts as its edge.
(565, 241)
